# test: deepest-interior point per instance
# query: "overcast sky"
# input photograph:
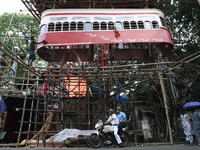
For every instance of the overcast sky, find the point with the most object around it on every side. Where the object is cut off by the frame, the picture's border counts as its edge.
(12, 6)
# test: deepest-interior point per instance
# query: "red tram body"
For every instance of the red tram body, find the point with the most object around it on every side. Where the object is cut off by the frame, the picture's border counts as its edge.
(129, 33)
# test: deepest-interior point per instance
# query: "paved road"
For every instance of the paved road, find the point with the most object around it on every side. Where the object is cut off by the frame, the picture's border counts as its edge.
(163, 147)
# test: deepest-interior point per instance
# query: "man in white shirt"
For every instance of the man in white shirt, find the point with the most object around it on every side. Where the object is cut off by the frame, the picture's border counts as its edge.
(115, 122)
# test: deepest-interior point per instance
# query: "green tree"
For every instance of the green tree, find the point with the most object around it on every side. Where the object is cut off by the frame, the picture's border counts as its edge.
(15, 29)
(15, 32)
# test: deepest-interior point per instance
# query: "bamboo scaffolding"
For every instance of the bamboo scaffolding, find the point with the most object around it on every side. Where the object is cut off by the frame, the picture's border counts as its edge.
(23, 113)
(30, 119)
(36, 115)
(166, 107)
(99, 75)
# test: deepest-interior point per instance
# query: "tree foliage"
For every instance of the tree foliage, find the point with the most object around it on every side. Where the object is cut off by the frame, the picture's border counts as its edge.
(16, 29)
(15, 32)
(183, 19)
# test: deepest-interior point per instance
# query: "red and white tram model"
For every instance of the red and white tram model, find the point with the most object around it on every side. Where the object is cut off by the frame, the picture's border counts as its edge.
(129, 33)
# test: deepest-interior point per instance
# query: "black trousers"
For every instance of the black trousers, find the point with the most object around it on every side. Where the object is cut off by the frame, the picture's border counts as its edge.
(120, 126)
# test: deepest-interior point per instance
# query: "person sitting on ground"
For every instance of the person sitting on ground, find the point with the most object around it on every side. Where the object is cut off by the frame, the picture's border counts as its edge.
(31, 50)
(115, 122)
(122, 120)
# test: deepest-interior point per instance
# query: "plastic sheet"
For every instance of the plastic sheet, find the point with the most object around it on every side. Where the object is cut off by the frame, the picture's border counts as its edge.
(68, 133)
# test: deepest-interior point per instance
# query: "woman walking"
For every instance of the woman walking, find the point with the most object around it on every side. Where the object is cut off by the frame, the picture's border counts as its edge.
(195, 118)
(187, 127)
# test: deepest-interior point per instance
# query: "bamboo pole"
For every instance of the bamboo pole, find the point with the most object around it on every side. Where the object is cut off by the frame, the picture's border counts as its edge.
(186, 62)
(30, 119)
(23, 112)
(36, 114)
(166, 107)
(109, 67)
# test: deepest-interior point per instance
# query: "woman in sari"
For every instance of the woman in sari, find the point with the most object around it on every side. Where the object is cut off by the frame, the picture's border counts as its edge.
(187, 127)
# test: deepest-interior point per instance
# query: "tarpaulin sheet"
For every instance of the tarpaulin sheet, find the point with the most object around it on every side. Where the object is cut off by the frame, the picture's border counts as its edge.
(68, 133)
(75, 85)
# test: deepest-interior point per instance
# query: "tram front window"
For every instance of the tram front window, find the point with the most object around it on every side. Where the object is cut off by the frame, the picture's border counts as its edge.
(43, 29)
(163, 22)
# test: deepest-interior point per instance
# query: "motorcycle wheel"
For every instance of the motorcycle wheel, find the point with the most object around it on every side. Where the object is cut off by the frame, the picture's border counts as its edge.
(124, 138)
(95, 140)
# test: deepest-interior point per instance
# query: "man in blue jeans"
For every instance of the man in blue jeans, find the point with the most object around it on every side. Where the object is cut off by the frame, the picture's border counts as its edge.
(122, 120)
(31, 50)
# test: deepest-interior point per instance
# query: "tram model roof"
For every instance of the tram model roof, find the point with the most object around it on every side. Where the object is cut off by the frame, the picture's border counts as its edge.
(143, 11)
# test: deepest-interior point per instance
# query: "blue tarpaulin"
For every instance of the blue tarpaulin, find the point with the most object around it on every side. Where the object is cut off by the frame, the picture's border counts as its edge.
(121, 99)
(95, 92)
(118, 98)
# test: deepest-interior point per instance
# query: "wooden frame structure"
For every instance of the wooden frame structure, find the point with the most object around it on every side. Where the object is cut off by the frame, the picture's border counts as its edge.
(94, 107)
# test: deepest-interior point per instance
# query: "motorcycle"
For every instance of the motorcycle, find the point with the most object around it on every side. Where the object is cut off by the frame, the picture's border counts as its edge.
(105, 135)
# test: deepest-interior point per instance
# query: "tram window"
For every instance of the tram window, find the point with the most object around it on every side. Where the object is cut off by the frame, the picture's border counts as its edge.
(80, 18)
(120, 46)
(66, 26)
(140, 25)
(118, 25)
(132, 45)
(51, 27)
(43, 29)
(125, 18)
(147, 25)
(59, 18)
(133, 25)
(102, 18)
(95, 26)
(146, 18)
(58, 26)
(88, 26)
(80, 26)
(126, 25)
(103, 26)
(163, 22)
(126, 45)
(155, 24)
(110, 25)
(72, 26)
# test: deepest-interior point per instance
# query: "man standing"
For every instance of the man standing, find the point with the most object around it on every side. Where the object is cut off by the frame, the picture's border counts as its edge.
(115, 122)
(122, 120)
(31, 50)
